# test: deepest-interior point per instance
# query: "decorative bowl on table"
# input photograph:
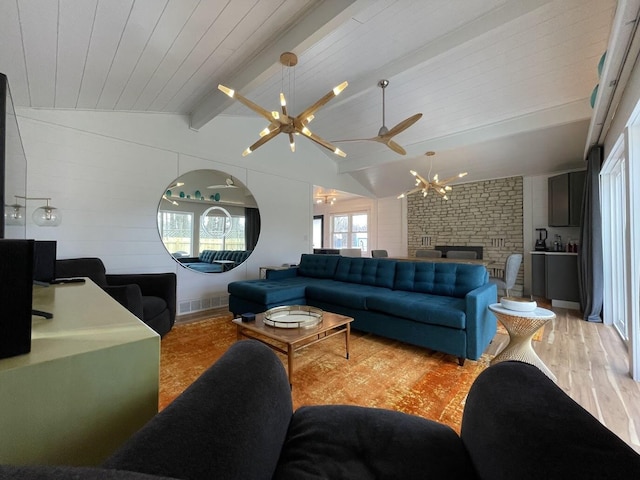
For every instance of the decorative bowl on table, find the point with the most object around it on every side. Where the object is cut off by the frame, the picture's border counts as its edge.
(518, 304)
(293, 316)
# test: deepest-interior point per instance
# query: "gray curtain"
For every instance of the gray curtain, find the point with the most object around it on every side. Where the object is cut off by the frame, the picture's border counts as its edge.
(251, 227)
(590, 272)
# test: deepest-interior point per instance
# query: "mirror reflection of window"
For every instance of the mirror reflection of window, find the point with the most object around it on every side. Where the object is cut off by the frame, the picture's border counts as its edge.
(221, 230)
(176, 232)
(208, 221)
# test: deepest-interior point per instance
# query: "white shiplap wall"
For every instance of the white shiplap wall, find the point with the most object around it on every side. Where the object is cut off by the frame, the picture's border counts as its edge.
(387, 222)
(106, 172)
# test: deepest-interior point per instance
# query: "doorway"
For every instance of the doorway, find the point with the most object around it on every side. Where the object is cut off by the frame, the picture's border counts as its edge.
(318, 231)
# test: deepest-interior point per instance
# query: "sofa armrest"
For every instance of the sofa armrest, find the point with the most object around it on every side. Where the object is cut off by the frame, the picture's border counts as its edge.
(129, 296)
(161, 285)
(284, 273)
(58, 472)
(230, 423)
(481, 324)
(517, 423)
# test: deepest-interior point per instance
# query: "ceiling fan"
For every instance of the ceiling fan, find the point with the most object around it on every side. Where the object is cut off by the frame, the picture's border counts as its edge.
(229, 183)
(384, 134)
(284, 123)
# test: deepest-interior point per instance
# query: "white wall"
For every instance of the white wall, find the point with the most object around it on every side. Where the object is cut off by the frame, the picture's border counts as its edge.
(387, 222)
(106, 172)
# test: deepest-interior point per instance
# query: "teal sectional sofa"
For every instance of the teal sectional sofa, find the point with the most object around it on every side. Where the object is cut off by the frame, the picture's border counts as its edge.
(441, 306)
(215, 261)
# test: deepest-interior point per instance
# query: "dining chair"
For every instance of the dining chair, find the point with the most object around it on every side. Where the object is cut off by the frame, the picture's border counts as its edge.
(511, 268)
(428, 253)
(462, 254)
(379, 254)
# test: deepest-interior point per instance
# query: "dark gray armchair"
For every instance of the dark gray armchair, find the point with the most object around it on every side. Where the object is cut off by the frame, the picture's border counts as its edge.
(149, 296)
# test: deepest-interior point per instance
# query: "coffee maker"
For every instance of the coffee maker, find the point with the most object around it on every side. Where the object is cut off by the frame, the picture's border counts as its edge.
(541, 241)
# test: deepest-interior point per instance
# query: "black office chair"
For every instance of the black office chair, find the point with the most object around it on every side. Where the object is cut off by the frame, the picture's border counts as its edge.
(149, 296)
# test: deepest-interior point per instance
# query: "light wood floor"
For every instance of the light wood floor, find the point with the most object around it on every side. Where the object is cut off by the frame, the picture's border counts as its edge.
(591, 363)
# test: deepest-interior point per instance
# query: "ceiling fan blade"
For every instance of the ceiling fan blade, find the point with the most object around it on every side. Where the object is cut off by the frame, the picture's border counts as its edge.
(395, 147)
(245, 101)
(403, 125)
(313, 108)
(375, 139)
(324, 143)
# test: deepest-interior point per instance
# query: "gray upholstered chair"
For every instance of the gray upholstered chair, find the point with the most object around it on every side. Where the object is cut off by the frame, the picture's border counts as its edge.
(379, 253)
(511, 268)
(462, 254)
(351, 252)
(428, 253)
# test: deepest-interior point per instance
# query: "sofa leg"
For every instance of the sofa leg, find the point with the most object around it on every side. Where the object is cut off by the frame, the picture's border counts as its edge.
(461, 361)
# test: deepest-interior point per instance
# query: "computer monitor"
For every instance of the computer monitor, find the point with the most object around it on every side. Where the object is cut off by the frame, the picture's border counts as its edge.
(44, 261)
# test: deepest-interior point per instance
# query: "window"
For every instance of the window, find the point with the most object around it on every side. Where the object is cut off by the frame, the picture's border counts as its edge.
(221, 231)
(176, 230)
(349, 230)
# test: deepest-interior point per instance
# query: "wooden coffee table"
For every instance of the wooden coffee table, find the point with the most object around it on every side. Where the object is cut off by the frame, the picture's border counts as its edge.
(294, 339)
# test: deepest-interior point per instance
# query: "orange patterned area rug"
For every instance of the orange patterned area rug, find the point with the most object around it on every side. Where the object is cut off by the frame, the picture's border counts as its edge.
(380, 372)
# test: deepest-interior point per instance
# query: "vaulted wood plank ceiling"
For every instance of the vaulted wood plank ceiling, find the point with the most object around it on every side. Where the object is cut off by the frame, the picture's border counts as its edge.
(504, 85)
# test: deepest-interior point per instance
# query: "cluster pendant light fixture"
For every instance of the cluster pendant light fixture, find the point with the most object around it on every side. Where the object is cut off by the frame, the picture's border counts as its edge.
(326, 199)
(423, 185)
(283, 122)
(45, 216)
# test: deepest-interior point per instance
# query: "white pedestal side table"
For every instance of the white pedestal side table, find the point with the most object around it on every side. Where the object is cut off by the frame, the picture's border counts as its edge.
(521, 327)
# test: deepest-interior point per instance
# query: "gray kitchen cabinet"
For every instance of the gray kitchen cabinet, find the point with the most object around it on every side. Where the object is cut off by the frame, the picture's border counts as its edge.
(565, 199)
(555, 277)
(538, 275)
(561, 280)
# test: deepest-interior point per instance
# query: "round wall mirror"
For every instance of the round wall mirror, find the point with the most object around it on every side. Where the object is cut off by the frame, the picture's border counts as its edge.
(208, 221)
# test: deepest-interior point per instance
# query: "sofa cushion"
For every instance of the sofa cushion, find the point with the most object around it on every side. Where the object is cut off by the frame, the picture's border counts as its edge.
(450, 279)
(269, 292)
(339, 441)
(207, 256)
(366, 271)
(318, 266)
(421, 307)
(516, 419)
(204, 267)
(350, 295)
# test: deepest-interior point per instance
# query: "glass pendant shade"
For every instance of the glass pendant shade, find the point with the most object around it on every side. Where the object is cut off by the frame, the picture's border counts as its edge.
(47, 216)
(14, 214)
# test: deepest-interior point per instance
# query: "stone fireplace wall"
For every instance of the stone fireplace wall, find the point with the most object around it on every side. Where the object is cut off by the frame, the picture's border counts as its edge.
(487, 214)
